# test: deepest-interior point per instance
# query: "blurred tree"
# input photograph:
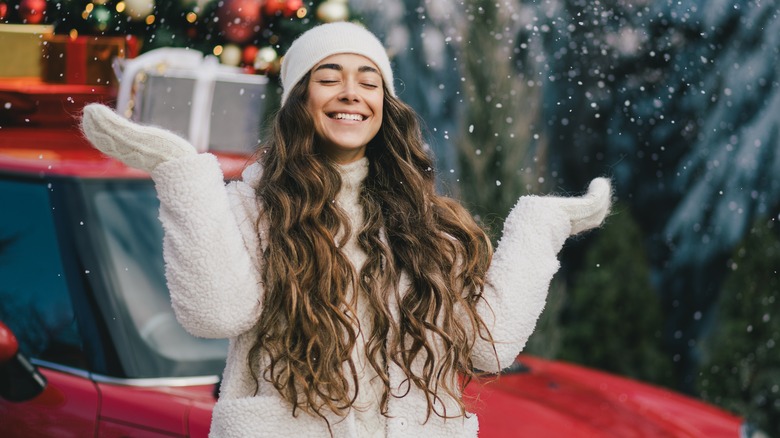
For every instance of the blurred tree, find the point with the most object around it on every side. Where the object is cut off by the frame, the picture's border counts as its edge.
(678, 101)
(494, 137)
(741, 358)
(612, 317)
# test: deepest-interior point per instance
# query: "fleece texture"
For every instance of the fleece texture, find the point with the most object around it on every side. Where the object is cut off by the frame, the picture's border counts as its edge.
(213, 267)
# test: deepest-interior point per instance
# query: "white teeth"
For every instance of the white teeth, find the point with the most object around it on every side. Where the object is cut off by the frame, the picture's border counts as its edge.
(344, 116)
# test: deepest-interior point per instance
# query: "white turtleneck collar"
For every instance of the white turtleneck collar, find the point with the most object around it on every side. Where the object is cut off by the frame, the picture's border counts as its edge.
(348, 198)
(353, 174)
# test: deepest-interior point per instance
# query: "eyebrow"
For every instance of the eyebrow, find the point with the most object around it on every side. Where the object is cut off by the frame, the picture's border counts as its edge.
(339, 67)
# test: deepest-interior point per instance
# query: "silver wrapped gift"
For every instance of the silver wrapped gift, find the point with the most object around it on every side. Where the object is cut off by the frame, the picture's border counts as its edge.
(216, 107)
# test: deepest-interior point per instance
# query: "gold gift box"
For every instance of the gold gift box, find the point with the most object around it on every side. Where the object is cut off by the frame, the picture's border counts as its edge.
(21, 48)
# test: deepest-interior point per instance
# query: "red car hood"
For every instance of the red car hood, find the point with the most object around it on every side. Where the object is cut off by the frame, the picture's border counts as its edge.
(551, 399)
(555, 399)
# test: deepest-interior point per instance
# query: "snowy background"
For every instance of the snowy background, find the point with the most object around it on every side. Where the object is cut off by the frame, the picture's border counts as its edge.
(677, 101)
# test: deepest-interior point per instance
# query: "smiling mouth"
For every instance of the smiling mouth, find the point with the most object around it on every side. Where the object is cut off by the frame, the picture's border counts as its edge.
(347, 116)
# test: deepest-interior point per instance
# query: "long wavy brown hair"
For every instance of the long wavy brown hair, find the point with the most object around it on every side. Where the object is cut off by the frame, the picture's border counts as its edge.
(308, 327)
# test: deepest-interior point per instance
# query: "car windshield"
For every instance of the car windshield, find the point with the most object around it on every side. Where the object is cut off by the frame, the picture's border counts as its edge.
(128, 224)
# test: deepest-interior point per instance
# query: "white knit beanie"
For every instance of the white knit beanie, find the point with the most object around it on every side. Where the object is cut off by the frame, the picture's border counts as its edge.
(324, 40)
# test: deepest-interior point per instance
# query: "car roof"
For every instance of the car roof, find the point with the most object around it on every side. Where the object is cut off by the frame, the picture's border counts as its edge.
(63, 151)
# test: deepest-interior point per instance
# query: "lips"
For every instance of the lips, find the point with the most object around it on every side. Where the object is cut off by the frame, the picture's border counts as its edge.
(347, 116)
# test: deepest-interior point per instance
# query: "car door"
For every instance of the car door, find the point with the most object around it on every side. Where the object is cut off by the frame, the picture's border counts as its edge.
(36, 305)
(150, 409)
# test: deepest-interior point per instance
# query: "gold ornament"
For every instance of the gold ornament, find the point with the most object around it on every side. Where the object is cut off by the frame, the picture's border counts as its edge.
(332, 10)
(266, 60)
(138, 10)
(231, 55)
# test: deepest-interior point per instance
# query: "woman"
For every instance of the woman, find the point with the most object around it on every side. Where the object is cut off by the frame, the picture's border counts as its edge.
(354, 297)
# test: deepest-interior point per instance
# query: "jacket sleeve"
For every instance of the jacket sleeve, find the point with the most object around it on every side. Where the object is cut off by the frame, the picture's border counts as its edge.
(525, 262)
(210, 247)
(518, 279)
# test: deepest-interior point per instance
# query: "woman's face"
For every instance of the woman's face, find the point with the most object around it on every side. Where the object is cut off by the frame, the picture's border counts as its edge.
(345, 100)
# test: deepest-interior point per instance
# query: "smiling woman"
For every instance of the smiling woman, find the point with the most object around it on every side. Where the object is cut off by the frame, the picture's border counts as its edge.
(358, 301)
(345, 97)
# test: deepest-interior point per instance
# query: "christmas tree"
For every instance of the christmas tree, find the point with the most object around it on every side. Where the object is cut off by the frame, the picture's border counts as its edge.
(248, 33)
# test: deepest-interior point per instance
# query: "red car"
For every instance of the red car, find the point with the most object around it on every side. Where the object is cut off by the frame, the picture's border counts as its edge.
(89, 345)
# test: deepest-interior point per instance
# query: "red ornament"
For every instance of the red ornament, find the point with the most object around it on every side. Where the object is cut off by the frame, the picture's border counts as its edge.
(32, 11)
(273, 7)
(240, 20)
(3, 10)
(288, 8)
(249, 54)
(291, 7)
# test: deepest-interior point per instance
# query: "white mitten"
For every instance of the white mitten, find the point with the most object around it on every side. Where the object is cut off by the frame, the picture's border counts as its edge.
(588, 211)
(139, 146)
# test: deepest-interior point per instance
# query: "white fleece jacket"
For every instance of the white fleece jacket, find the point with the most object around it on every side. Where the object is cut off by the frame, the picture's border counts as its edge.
(213, 272)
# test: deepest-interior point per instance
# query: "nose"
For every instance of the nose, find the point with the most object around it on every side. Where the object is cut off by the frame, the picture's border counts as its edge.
(349, 92)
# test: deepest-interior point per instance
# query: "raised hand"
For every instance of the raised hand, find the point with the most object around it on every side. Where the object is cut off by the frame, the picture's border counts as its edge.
(588, 211)
(139, 146)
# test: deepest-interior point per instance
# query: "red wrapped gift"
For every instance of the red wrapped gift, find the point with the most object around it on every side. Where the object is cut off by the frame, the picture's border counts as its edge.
(30, 102)
(83, 59)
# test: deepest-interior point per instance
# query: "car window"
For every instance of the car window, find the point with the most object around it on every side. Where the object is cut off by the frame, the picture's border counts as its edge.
(34, 298)
(128, 222)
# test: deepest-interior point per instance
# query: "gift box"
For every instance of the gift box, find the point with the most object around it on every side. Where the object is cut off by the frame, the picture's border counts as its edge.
(30, 102)
(81, 60)
(216, 107)
(21, 49)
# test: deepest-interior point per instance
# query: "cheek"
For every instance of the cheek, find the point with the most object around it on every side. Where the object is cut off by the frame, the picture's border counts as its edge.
(379, 113)
(310, 108)
(314, 102)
